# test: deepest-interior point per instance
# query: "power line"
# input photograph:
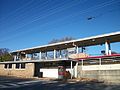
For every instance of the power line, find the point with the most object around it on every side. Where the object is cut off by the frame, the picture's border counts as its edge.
(16, 10)
(51, 13)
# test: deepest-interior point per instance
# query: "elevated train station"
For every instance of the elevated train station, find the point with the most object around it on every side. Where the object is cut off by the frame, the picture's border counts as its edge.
(53, 60)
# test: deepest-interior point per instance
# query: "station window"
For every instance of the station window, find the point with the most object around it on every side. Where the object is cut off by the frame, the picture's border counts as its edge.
(17, 65)
(10, 65)
(5, 66)
(22, 65)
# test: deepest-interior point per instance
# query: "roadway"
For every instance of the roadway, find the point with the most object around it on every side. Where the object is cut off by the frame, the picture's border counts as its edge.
(10, 83)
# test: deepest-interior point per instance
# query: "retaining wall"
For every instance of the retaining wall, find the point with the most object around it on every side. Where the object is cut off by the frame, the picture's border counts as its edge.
(107, 73)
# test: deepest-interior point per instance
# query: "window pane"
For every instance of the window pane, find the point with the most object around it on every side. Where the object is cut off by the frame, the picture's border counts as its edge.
(5, 66)
(17, 65)
(10, 66)
(22, 65)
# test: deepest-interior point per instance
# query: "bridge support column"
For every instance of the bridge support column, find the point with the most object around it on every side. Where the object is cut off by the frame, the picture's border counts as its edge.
(60, 54)
(100, 61)
(54, 54)
(26, 56)
(71, 70)
(76, 70)
(15, 57)
(77, 49)
(107, 48)
(40, 55)
(46, 55)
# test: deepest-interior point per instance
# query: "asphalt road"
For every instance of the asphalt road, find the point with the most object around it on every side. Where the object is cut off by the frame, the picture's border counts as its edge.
(10, 83)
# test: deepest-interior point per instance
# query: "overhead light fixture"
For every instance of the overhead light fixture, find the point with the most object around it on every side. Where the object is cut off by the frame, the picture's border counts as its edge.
(22, 52)
(74, 44)
(93, 40)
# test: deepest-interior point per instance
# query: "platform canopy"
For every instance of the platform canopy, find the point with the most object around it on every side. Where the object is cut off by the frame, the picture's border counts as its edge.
(83, 42)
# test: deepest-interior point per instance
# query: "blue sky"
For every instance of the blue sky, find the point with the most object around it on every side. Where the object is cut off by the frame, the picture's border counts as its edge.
(28, 23)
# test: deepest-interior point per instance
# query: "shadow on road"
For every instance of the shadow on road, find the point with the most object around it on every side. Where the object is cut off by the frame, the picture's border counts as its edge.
(65, 85)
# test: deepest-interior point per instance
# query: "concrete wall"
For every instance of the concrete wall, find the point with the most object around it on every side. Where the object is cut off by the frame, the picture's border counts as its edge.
(51, 72)
(28, 71)
(102, 67)
(107, 73)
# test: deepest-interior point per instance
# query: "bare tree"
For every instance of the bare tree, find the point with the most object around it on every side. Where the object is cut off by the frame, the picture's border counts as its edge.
(63, 52)
(5, 55)
(61, 40)
(112, 52)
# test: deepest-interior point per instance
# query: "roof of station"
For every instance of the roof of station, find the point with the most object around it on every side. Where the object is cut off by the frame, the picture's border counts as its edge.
(83, 42)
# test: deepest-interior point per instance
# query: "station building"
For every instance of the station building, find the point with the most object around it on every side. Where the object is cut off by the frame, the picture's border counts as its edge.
(53, 60)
